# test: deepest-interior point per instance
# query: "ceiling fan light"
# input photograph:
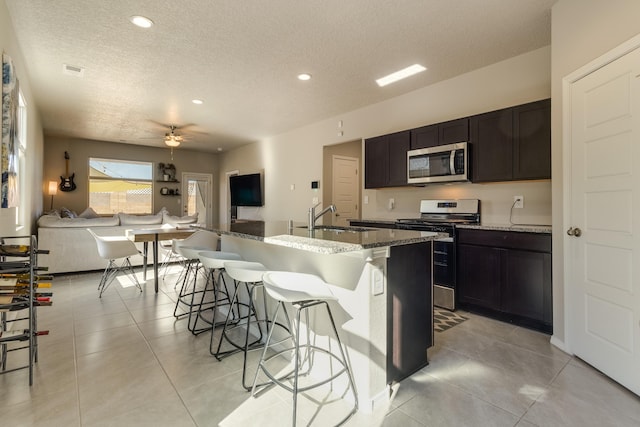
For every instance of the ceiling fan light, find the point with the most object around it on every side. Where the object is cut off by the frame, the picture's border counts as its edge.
(172, 141)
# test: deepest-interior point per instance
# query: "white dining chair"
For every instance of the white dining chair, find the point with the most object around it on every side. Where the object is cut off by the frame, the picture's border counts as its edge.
(114, 248)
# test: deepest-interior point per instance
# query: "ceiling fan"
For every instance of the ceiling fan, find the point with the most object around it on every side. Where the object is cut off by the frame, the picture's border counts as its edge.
(172, 139)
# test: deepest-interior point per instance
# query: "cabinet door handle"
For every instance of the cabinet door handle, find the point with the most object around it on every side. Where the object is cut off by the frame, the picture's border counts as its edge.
(575, 232)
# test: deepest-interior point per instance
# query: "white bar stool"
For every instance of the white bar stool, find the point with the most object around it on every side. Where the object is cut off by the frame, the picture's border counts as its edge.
(187, 295)
(249, 273)
(303, 291)
(214, 262)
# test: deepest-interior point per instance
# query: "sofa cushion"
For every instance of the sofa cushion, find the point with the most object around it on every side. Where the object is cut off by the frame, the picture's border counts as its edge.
(175, 220)
(89, 213)
(53, 221)
(127, 219)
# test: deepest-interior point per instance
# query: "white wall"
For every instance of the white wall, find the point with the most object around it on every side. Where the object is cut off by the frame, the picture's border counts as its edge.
(295, 157)
(31, 193)
(581, 31)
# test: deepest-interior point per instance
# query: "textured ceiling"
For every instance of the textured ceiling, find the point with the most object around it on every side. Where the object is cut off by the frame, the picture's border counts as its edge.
(241, 57)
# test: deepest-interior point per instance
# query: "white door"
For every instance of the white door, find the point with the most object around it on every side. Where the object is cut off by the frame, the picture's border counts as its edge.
(604, 266)
(345, 189)
(196, 196)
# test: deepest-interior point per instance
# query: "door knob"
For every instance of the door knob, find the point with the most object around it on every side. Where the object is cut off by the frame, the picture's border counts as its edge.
(575, 232)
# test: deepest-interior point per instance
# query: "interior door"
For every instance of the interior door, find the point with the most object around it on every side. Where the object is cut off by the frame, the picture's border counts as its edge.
(196, 196)
(604, 231)
(345, 190)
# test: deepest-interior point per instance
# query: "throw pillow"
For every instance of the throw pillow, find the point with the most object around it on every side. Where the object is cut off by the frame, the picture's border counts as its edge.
(175, 220)
(89, 213)
(129, 219)
(66, 213)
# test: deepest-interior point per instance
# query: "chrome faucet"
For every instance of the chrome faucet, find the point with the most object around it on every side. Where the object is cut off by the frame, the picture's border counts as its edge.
(313, 217)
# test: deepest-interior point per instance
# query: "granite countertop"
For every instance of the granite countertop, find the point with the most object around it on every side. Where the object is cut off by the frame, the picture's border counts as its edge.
(326, 241)
(542, 229)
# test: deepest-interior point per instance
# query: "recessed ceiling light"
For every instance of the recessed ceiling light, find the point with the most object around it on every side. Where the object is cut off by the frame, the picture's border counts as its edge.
(304, 76)
(141, 21)
(72, 70)
(399, 75)
(197, 101)
(219, 148)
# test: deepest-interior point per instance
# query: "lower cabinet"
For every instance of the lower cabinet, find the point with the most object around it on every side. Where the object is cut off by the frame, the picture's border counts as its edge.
(506, 275)
(409, 309)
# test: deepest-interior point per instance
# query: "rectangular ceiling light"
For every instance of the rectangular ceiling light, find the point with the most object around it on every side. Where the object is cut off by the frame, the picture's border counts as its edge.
(399, 75)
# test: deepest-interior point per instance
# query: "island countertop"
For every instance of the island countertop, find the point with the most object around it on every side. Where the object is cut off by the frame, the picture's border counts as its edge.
(325, 240)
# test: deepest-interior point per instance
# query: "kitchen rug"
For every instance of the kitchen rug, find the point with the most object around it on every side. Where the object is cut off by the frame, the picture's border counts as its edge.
(445, 319)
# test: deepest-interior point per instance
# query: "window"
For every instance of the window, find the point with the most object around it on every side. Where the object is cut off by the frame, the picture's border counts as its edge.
(120, 186)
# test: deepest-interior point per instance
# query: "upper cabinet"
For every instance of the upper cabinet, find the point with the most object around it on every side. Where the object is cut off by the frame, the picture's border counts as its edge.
(512, 143)
(385, 160)
(492, 150)
(440, 134)
(532, 140)
(506, 145)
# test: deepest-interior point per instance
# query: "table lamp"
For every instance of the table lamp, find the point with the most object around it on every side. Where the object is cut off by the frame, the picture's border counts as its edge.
(53, 190)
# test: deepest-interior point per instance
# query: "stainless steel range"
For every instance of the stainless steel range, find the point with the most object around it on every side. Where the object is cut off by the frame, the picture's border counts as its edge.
(442, 216)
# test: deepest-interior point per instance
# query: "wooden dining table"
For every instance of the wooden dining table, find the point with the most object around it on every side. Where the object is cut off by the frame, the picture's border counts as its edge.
(156, 235)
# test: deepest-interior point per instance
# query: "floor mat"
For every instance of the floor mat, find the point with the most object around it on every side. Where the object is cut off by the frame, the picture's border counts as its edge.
(445, 319)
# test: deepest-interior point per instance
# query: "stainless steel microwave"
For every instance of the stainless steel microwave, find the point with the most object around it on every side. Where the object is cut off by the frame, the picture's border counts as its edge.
(442, 163)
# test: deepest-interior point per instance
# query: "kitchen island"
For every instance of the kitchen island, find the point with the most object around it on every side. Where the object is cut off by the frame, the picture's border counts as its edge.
(382, 279)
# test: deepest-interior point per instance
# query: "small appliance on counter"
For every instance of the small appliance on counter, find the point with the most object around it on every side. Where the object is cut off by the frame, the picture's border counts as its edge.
(442, 216)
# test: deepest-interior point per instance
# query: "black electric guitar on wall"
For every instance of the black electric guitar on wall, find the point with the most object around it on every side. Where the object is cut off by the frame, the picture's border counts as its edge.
(67, 184)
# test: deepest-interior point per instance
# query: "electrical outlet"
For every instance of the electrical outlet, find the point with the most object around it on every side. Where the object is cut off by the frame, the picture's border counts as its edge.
(518, 202)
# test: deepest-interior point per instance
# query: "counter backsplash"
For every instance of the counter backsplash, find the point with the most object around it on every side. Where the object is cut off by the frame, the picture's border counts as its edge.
(495, 201)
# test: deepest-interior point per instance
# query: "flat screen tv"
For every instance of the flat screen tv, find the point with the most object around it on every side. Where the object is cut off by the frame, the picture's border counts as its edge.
(246, 190)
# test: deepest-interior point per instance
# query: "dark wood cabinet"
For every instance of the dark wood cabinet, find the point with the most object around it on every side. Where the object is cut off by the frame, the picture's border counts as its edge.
(527, 288)
(479, 270)
(512, 143)
(425, 136)
(376, 162)
(508, 144)
(492, 146)
(440, 134)
(386, 160)
(506, 275)
(398, 147)
(532, 140)
(409, 309)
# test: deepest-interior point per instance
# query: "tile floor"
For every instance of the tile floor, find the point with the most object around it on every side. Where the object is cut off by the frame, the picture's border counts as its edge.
(124, 361)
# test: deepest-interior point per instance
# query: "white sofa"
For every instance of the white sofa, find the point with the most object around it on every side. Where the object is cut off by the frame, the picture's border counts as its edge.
(73, 249)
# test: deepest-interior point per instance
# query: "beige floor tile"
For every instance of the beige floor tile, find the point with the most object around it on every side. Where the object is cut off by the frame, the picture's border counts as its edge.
(59, 409)
(123, 360)
(537, 342)
(101, 323)
(505, 390)
(158, 410)
(160, 327)
(223, 400)
(441, 404)
(581, 395)
(153, 312)
(533, 367)
(107, 340)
